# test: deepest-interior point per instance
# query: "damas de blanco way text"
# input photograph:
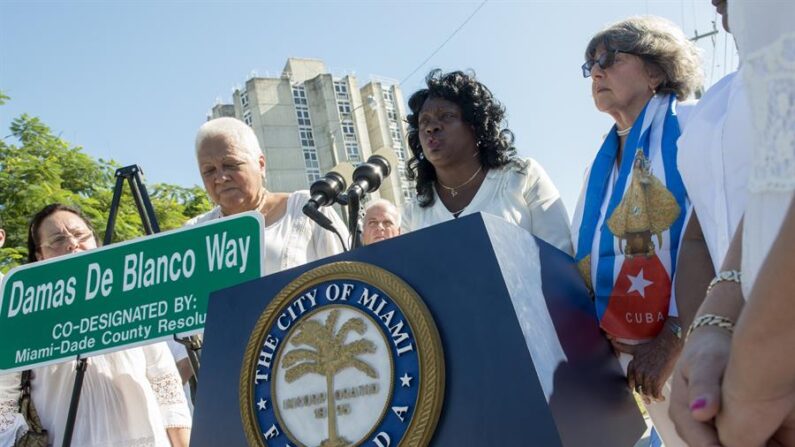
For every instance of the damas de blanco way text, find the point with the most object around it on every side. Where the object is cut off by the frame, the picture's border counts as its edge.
(139, 272)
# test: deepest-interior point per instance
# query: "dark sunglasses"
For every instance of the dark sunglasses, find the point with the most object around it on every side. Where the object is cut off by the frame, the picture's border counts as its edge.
(605, 61)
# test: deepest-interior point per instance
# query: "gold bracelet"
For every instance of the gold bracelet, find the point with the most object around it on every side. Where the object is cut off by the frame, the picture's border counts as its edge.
(711, 320)
(727, 275)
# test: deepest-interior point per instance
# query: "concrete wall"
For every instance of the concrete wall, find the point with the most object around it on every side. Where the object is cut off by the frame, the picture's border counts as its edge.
(274, 122)
(299, 70)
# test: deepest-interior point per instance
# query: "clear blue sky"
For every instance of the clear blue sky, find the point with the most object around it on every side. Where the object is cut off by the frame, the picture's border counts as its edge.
(133, 80)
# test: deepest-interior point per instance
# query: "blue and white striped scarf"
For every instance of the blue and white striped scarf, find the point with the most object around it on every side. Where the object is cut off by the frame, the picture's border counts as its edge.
(655, 133)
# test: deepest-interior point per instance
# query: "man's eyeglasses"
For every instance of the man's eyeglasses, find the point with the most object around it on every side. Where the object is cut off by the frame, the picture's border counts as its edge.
(605, 61)
(63, 239)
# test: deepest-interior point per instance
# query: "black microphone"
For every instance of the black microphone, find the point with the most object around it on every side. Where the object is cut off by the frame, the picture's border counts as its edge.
(367, 177)
(324, 192)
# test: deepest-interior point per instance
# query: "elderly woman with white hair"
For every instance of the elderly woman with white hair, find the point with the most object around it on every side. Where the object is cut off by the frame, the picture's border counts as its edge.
(630, 216)
(232, 167)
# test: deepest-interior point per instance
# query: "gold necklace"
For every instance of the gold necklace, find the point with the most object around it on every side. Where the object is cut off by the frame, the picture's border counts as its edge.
(453, 190)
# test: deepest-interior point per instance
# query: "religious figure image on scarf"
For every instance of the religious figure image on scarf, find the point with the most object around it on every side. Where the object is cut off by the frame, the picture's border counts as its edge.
(640, 297)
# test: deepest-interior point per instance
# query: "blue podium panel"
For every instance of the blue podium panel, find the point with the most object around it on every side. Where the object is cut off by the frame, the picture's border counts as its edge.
(525, 363)
(581, 380)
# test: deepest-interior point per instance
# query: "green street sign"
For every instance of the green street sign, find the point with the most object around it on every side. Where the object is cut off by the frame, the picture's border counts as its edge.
(126, 294)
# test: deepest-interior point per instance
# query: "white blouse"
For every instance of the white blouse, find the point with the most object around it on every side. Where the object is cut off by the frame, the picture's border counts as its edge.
(765, 33)
(128, 399)
(520, 192)
(713, 159)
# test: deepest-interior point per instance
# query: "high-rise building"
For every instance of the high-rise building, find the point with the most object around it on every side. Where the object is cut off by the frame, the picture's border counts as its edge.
(309, 122)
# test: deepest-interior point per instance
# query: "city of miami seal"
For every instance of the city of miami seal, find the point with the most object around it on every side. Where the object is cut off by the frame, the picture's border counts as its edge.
(346, 355)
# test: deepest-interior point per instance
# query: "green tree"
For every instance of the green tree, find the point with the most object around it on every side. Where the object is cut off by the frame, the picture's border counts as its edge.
(330, 356)
(41, 168)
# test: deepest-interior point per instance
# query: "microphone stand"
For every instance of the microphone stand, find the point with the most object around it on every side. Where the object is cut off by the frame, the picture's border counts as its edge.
(367, 178)
(354, 220)
(325, 192)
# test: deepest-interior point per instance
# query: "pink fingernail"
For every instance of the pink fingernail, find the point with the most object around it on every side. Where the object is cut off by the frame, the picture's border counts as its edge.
(698, 404)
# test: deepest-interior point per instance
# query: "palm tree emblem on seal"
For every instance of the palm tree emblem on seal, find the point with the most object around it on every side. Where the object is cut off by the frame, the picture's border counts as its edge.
(330, 356)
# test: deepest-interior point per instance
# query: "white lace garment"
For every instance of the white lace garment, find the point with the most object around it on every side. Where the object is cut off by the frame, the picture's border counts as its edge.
(129, 398)
(765, 33)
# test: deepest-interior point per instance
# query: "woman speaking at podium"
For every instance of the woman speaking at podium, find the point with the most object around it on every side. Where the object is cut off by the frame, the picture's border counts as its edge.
(129, 397)
(464, 162)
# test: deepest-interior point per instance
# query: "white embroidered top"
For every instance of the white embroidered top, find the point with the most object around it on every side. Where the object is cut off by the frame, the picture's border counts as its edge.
(520, 192)
(765, 35)
(128, 399)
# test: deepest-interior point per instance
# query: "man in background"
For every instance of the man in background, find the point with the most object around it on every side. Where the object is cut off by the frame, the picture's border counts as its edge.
(381, 221)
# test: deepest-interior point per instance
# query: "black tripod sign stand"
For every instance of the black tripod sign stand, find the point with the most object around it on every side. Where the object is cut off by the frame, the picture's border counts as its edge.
(133, 175)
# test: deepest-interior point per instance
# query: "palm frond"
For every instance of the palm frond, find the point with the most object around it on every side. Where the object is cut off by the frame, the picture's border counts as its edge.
(354, 324)
(299, 355)
(331, 321)
(363, 367)
(311, 333)
(357, 347)
(300, 370)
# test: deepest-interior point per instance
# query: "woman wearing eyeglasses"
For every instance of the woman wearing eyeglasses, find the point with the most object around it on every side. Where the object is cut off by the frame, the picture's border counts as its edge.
(630, 215)
(129, 397)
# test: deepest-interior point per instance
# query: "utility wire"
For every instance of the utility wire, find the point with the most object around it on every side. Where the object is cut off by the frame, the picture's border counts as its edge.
(444, 43)
(683, 14)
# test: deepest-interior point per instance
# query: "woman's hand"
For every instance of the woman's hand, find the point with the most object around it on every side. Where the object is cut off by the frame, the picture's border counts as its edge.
(755, 421)
(651, 364)
(758, 389)
(696, 393)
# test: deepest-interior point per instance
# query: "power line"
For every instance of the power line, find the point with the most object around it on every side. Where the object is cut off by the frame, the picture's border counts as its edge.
(445, 42)
(683, 14)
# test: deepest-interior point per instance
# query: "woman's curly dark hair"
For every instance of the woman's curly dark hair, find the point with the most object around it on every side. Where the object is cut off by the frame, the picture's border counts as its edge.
(479, 108)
